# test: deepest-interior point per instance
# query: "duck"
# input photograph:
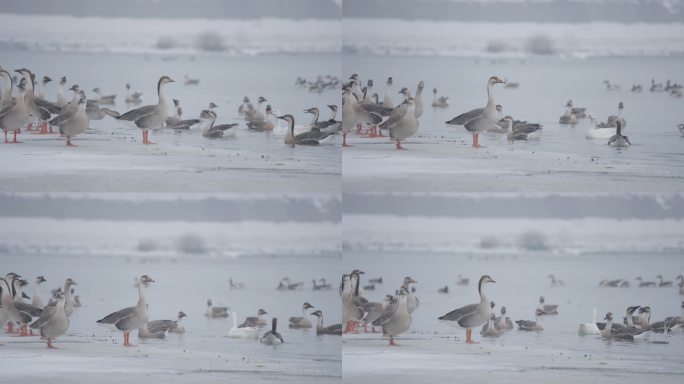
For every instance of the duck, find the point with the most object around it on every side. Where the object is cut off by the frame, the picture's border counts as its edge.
(490, 329)
(472, 315)
(130, 318)
(53, 322)
(546, 309)
(149, 116)
(272, 337)
(619, 140)
(240, 332)
(480, 119)
(215, 312)
(335, 329)
(439, 102)
(586, 329)
(303, 321)
(395, 318)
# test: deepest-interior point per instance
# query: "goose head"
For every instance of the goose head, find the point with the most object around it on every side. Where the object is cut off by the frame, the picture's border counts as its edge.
(495, 80)
(313, 110)
(621, 105)
(421, 85)
(261, 312)
(290, 121)
(46, 79)
(409, 280)
(63, 80)
(163, 81)
(632, 309)
(503, 310)
(317, 313)
(212, 105)
(369, 84)
(609, 316)
(145, 280)
(307, 306)
(389, 81)
(40, 279)
(492, 305)
(181, 314)
(332, 107)
(175, 102)
(245, 99)
(541, 300)
(262, 99)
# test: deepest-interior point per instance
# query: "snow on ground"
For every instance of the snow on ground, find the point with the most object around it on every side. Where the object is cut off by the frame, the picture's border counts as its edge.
(448, 38)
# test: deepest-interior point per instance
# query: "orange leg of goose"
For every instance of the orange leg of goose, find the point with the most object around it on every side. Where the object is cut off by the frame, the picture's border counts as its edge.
(29, 127)
(15, 141)
(146, 135)
(476, 142)
(49, 345)
(469, 336)
(22, 331)
(10, 327)
(127, 340)
(358, 128)
(365, 327)
(399, 145)
(392, 343)
(69, 144)
(349, 327)
(344, 141)
(372, 132)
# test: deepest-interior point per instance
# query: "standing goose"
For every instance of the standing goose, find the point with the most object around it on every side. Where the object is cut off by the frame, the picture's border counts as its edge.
(53, 322)
(412, 301)
(26, 310)
(215, 311)
(481, 118)
(8, 310)
(130, 318)
(395, 319)
(149, 116)
(349, 115)
(39, 108)
(72, 122)
(419, 99)
(402, 123)
(37, 300)
(335, 329)
(472, 315)
(240, 332)
(212, 131)
(387, 101)
(303, 321)
(375, 311)
(272, 337)
(14, 113)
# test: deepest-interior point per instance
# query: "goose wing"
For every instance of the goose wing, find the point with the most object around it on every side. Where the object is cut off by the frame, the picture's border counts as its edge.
(137, 113)
(114, 317)
(28, 309)
(48, 312)
(463, 118)
(396, 116)
(62, 117)
(387, 314)
(378, 109)
(460, 313)
(51, 108)
(160, 326)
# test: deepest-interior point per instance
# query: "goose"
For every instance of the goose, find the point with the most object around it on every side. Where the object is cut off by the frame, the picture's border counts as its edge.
(27, 311)
(373, 310)
(375, 280)
(335, 329)
(395, 319)
(349, 115)
(580, 113)
(568, 117)
(215, 311)
(625, 333)
(611, 87)
(439, 102)
(472, 315)
(644, 317)
(402, 123)
(239, 332)
(255, 321)
(177, 327)
(15, 311)
(331, 124)
(62, 100)
(155, 329)
(322, 285)
(272, 337)
(354, 306)
(14, 114)
(212, 131)
(481, 118)
(43, 85)
(149, 116)
(546, 309)
(312, 137)
(266, 125)
(235, 285)
(370, 113)
(286, 285)
(511, 135)
(663, 283)
(134, 98)
(177, 122)
(490, 328)
(37, 300)
(636, 88)
(643, 283)
(681, 284)
(629, 320)
(529, 325)
(412, 301)
(504, 322)
(130, 318)
(245, 106)
(369, 287)
(419, 99)
(462, 281)
(444, 289)
(71, 302)
(97, 113)
(189, 81)
(53, 322)
(72, 122)
(613, 118)
(586, 329)
(555, 282)
(387, 100)
(106, 99)
(256, 115)
(599, 133)
(656, 87)
(303, 321)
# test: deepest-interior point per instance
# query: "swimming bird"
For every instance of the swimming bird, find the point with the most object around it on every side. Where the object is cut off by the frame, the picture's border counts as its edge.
(255, 321)
(176, 121)
(595, 132)
(239, 332)
(511, 135)
(321, 285)
(189, 81)
(106, 99)
(644, 317)
(439, 102)
(663, 283)
(586, 329)
(472, 315)
(613, 118)
(556, 282)
(212, 131)
(490, 328)
(546, 309)
(215, 312)
(402, 122)
(177, 327)
(37, 300)
(235, 285)
(480, 119)
(272, 337)
(53, 322)
(303, 321)
(395, 319)
(568, 117)
(625, 333)
(503, 321)
(134, 98)
(335, 329)
(619, 140)
(529, 325)
(312, 137)
(681, 284)
(643, 283)
(72, 122)
(130, 318)
(245, 106)
(149, 116)
(462, 281)
(155, 329)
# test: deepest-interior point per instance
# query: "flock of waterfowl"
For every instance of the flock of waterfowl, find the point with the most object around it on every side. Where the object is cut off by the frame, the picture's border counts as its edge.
(30, 106)
(394, 313)
(52, 319)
